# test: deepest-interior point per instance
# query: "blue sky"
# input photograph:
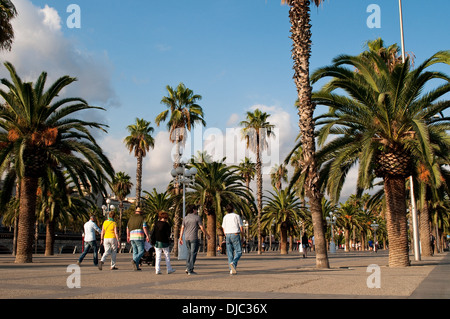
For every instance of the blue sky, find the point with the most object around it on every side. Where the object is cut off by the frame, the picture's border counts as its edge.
(235, 53)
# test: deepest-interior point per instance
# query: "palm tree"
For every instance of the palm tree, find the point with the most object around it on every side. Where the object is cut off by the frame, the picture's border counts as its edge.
(256, 130)
(278, 174)
(282, 209)
(182, 114)
(385, 124)
(7, 12)
(217, 185)
(301, 36)
(347, 218)
(59, 206)
(155, 202)
(37, 133)
(140, 141)
(247, 170)
(121, 186)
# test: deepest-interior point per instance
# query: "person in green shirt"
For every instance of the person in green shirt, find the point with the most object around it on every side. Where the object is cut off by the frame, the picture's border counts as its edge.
(137, 232)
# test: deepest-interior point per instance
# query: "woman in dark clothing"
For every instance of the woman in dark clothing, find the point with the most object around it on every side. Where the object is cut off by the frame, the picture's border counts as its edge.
(161, 242)
(304, 244)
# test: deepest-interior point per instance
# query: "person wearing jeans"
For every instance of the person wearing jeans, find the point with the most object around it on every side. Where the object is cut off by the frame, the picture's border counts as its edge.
(232, 228)
(137, 232)
(234, 250)
(190, 226)
(90, 242)
(192, 249)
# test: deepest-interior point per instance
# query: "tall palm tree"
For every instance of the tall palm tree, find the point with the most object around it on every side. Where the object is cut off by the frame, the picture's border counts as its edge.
(282, 209)
(121, 186)
(384, 124)
(217, 185)
(7, 12)
(140, 141)
(37, 133)
(182, 114)
(299, 15)
(256, 130)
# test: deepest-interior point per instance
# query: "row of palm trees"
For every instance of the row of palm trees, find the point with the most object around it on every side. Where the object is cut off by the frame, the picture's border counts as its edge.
(182, 114)
(383, 122)
(39, 142)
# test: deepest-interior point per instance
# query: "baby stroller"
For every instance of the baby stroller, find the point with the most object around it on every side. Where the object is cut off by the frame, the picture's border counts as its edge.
(149, 255)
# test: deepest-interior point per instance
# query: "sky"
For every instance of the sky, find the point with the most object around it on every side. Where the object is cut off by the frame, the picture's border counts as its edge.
(235, 54)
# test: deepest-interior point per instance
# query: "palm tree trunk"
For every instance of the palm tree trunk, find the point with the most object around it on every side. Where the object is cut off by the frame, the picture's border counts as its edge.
(138, 180)
(16, 222)
(259, 183)
(27, 217)
(347, 239)
(283, 244)
(49, 238)
(211, 229)
(301, 51)
(394, 190)
(425, 230)
(177, 216)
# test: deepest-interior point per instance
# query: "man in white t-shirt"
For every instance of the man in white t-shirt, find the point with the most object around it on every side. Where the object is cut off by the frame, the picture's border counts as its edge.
(90, 227)
(232, 227)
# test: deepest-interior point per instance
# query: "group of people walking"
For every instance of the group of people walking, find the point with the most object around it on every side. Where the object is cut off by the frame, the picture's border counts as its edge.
(138, 235)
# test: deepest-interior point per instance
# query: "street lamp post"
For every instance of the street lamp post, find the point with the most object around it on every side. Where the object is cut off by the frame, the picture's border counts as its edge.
(185, 176)
(107, 208)
(331, 221)
(374, 226)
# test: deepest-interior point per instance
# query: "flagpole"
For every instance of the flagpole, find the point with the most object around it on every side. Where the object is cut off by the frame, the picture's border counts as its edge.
(411, 182)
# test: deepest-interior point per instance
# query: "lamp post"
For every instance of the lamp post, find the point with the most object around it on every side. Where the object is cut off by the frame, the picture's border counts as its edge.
(185, 176)
(374, 226)
(107, 208)
(331, 221)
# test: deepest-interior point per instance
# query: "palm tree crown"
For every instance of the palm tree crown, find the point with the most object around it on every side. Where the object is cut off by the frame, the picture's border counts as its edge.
(184, 111)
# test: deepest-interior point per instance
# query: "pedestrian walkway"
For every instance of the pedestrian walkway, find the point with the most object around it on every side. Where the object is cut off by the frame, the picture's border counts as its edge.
(355, 275)
(437, 284)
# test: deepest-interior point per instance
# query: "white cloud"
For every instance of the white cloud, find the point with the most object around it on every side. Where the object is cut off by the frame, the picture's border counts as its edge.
(156, 166)
(40, 45)
(234, 118)
(51, 18)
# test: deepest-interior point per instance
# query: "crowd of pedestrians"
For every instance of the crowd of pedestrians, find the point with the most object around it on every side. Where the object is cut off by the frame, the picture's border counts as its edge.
(143, 243)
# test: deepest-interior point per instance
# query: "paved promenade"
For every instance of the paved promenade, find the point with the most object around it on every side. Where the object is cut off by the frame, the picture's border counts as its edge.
(356, 275)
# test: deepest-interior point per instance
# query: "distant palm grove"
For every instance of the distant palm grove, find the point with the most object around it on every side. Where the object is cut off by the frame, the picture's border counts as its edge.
(386, 117)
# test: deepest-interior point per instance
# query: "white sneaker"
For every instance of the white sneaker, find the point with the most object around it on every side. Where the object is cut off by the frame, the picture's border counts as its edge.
(158, 272)
(233, 269)
(171, 271)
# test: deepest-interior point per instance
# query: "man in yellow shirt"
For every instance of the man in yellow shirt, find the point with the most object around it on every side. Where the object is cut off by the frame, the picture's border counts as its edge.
(109, 239)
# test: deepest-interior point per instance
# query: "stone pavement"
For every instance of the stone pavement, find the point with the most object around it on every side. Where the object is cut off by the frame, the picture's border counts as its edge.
(355, 275)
